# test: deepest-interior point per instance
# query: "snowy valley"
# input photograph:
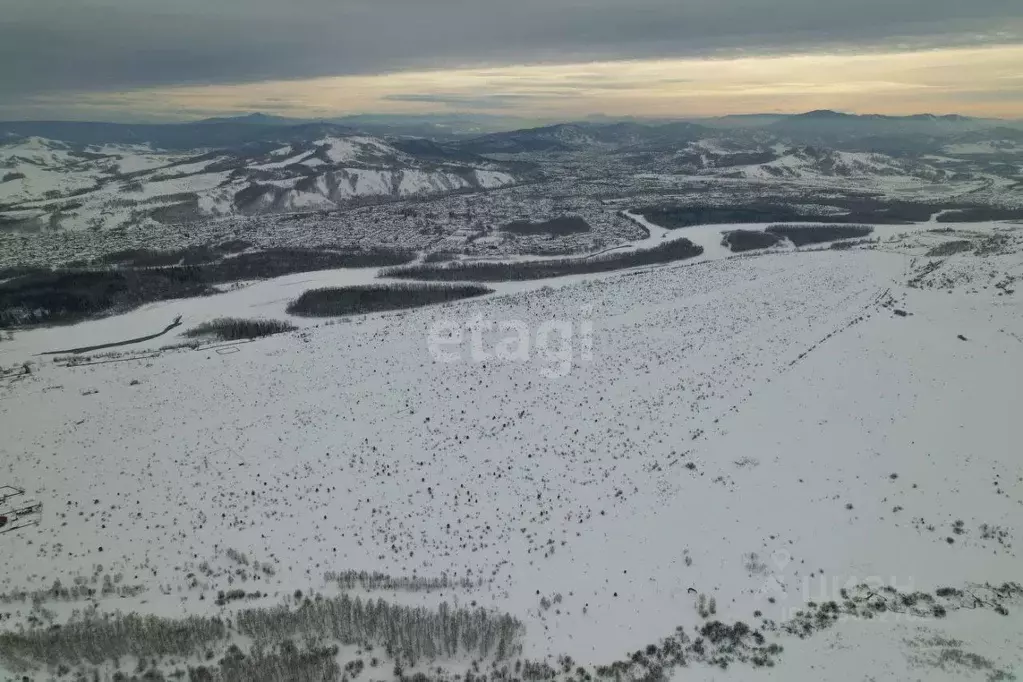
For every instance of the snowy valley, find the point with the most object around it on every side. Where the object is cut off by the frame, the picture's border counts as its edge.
(583, 402)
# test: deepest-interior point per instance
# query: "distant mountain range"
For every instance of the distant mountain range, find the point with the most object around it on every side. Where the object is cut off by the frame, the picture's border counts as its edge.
(822, 125)
(103, 175)
(238, 130)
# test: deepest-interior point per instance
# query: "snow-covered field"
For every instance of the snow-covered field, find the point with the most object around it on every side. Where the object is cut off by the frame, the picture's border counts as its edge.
(763, 430)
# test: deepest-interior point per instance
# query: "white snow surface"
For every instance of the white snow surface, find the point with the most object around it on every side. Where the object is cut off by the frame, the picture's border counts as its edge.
(348, 149)
(819, 425)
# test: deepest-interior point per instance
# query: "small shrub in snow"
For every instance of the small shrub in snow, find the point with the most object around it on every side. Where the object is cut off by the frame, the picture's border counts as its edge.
(950, 248)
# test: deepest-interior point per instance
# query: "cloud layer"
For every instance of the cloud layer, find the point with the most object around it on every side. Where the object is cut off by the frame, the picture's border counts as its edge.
(64, 46)
(979, 81)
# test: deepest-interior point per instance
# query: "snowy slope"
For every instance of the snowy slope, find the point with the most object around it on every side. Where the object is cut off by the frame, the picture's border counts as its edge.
(810, 163)
(53, 166)
(119, 185)
(770, 405)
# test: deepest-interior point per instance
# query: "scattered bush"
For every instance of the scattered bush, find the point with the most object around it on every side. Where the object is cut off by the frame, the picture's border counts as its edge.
(286, 663)
(849, 244)
(679, 249)
(950, 248)
(234, 329)
(371, 298)
(801, 235)
(349, 580)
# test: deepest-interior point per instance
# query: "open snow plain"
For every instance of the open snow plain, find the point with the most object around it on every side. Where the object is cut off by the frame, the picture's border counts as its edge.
(741, 439)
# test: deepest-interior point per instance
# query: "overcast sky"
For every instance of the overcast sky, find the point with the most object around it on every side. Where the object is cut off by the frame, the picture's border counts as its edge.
(145, 58)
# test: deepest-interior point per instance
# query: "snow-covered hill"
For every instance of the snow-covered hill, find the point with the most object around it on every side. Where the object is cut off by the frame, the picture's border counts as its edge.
(36, 168)
(807, 163)
(51, 183)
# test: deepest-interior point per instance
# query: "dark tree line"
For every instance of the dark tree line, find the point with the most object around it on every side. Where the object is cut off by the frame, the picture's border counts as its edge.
(818, 234)
(71, 295)
(675, 250)
(853, 210)
(101, 638)
(373, 298)
(410, 633)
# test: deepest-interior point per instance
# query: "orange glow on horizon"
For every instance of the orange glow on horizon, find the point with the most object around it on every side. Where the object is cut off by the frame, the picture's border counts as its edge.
(973, 81)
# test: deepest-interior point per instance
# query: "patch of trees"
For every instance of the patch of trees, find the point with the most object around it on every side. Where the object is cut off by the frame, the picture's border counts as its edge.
(748, 240)
(148, 258)
(191, 255)
(8, 177)
(373, 298)
(980, 214)
(412, 633)
(557, 226)
(869, 210)
(409, 635)
(286, 662)
(95, 639)
(674, 217)
(676, 250)
(284, 261)
(439, 257)
(63, 296)
(801, 235)
(849, 244)
(236, 329)
(856, 209)
(363, 580)
(70, 296)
